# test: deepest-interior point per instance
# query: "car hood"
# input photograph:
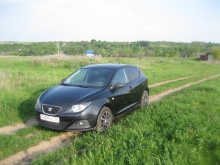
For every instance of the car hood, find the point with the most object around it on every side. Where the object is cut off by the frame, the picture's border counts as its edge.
(66, 96)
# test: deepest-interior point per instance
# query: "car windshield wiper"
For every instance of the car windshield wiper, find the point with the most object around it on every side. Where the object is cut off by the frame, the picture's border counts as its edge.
(83, 86)
(78, 85)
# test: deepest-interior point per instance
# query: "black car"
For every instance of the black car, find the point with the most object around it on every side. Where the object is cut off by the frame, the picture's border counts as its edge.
(92, 96)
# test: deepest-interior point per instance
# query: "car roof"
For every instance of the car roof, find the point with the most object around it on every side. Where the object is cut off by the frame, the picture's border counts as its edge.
(105, 66)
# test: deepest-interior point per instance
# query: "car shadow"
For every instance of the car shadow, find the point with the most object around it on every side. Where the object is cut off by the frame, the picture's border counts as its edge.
(27, 113)
(27, 110)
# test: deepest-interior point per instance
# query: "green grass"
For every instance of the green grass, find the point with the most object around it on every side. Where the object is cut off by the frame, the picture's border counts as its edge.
(23, 79)
(171, 85)
(27, 137)
(183, 129)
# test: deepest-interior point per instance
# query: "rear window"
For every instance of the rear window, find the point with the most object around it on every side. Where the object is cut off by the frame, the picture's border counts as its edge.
(133, 73)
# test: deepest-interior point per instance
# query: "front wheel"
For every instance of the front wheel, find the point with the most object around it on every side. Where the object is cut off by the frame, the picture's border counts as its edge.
(104, 120)
(144, 99)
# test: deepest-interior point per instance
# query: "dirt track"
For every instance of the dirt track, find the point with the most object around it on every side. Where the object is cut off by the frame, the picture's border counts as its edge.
(10, 129)
(169, 81)
(26, 156)
(163, 94)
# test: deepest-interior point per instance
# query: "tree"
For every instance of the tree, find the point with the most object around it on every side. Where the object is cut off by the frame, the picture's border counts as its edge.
(216, 53)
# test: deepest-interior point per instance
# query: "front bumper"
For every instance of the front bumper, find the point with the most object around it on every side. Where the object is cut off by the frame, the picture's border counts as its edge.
(69, 124)
(82, 121)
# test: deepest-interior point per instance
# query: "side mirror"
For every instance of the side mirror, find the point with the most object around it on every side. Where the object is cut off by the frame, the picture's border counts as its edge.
(116, 86)
(62, 81)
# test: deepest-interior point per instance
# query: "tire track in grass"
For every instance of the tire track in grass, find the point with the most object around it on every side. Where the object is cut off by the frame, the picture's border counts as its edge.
(163, 94)
(63, 140)
(26, 156)
(169, 81)
(11, 129)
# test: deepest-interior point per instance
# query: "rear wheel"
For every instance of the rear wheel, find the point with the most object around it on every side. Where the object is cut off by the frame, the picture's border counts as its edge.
(104, 120)
(144, 99)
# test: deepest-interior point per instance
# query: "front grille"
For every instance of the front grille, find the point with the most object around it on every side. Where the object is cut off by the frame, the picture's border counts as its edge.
(50, 109)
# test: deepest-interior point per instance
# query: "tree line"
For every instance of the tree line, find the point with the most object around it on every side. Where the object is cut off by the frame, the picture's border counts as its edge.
(112, 49)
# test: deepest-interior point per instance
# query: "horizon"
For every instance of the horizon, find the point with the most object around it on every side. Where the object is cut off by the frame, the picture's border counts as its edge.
(108, 41)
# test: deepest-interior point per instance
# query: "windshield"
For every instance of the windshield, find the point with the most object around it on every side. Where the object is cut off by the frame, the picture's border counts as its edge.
(89, 78)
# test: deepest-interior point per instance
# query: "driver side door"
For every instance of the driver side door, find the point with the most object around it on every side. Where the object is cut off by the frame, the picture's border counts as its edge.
(120, 98)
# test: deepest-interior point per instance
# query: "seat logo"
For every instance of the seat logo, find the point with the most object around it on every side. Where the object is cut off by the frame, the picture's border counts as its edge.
(50, 109)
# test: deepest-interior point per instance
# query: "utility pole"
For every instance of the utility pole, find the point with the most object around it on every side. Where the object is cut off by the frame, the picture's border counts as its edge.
(58, 48)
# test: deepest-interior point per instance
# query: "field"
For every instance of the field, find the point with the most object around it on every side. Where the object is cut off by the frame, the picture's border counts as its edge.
(181, 128)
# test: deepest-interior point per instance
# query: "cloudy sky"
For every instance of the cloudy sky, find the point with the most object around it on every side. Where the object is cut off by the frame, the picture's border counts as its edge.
(110, 20)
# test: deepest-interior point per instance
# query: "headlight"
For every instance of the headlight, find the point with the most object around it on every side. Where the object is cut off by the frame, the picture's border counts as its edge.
(38, 104)
(78, 107)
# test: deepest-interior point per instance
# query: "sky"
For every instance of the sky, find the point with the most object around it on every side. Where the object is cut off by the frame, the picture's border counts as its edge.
(110, 20)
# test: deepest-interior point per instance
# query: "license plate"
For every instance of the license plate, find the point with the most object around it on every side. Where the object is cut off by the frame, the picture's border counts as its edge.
(50, 118)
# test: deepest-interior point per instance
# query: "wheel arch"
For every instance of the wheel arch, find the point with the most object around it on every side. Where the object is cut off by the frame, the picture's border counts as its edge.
(104, 119)
(104, 103)
(148, 90)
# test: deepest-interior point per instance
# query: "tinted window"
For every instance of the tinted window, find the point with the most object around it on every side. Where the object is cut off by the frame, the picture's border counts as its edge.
(89, 77)
(133, 73)
(120, 77)
(79, 76)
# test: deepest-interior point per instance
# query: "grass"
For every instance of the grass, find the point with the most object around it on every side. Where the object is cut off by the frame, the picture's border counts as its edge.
(168, 86)
(27, 137)
(183, 128)
(23, 79)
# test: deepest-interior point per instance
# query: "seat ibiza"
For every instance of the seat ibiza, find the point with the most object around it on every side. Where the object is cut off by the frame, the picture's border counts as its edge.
(91, 97)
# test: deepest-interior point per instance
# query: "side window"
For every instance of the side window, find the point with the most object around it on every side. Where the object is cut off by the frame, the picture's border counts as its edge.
(120, 77)
(133, 72)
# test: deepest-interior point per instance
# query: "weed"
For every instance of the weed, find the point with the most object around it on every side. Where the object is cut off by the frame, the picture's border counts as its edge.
(181, 129)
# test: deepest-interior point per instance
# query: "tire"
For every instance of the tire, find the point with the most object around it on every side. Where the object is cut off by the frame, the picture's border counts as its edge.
(104, 119)
(144, 99)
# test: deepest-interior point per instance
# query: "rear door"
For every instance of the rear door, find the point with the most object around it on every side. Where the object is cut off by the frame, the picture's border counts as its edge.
(135, 84)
